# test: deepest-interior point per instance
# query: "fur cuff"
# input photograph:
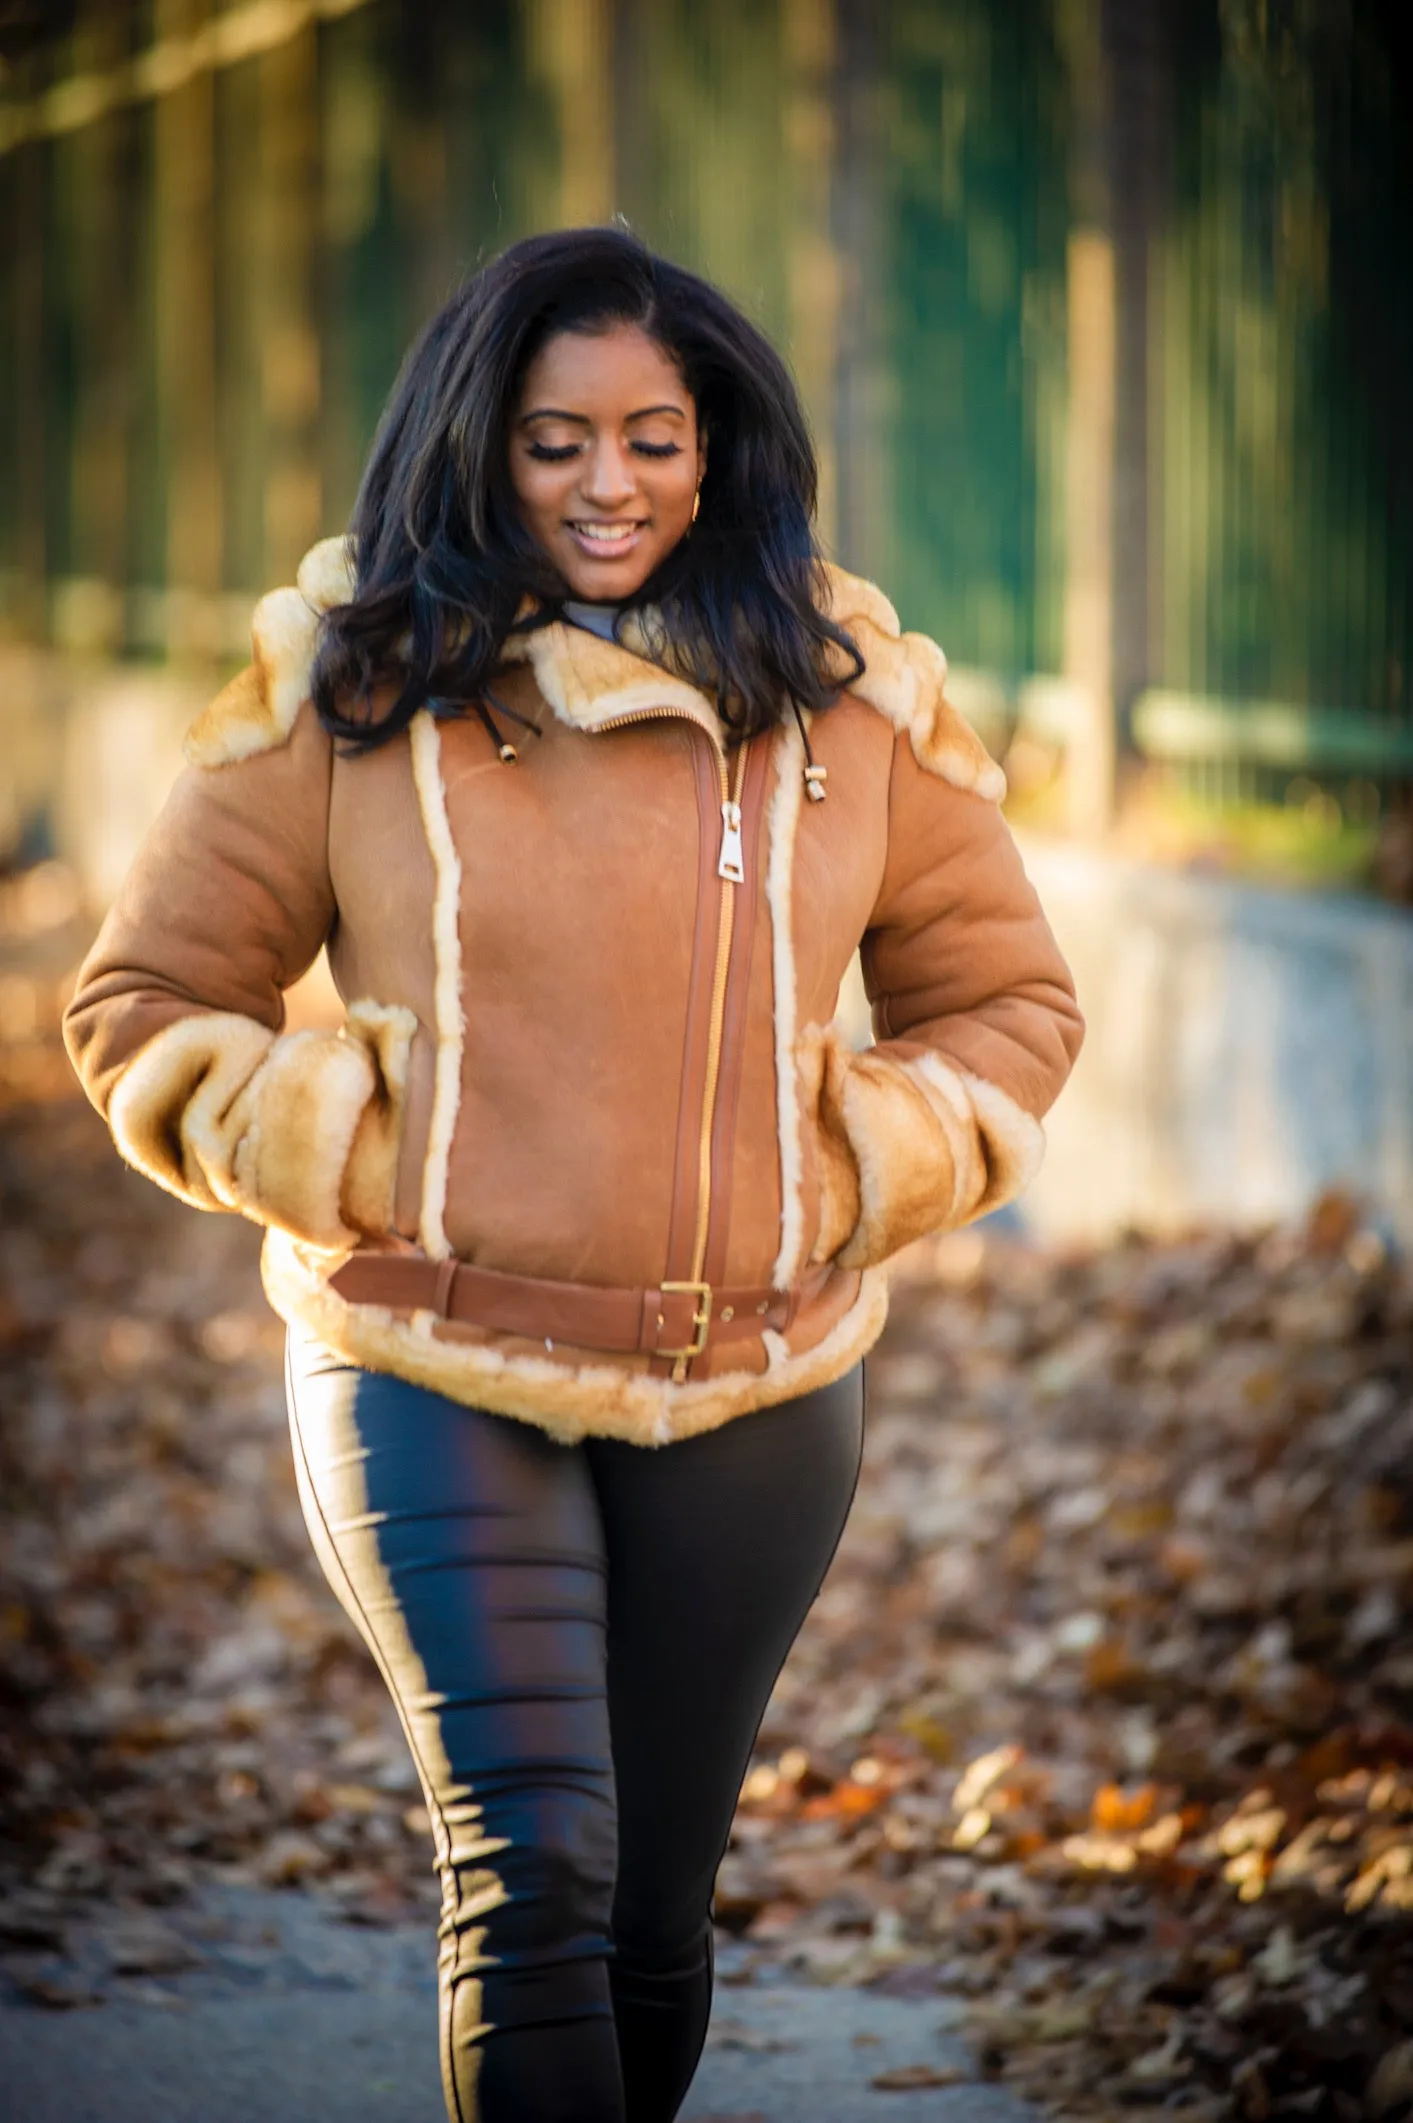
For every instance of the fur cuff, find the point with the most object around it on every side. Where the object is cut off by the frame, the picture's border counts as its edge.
(370, 1175)
(170, 1111)
(910, 1147)
(292, 1131)
(824, 1069)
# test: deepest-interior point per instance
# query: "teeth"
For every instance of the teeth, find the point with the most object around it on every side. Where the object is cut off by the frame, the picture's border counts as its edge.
(606, 534)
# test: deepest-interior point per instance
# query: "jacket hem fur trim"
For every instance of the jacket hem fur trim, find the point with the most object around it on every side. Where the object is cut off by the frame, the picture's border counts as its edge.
(569, 1401)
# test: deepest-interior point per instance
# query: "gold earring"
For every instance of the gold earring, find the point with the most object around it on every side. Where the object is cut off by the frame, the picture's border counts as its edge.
(696, 504)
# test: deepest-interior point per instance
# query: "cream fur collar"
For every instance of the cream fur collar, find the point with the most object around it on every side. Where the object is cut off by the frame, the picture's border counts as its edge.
(587, 681)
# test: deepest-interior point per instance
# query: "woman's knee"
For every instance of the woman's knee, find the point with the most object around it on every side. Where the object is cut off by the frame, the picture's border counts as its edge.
(659, 1917)
(548, 1890)
(662, 1944)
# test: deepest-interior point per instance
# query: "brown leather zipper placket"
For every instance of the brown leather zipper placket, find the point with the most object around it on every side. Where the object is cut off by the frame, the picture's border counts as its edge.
(738, 986)
(730, 871)
(728, 834)
(686, 1171)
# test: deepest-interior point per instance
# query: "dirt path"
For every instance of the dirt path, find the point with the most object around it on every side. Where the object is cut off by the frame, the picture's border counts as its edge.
(283, 2012)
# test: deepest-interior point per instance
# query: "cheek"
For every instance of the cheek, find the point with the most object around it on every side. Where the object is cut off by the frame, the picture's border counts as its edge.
(538, 489)
(675, 494)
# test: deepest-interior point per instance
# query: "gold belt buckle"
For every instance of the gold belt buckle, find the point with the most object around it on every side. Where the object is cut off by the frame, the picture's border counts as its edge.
(701, 1318)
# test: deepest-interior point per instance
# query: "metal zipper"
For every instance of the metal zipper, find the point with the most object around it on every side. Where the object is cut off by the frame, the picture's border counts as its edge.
(730, 867)
(731, 863)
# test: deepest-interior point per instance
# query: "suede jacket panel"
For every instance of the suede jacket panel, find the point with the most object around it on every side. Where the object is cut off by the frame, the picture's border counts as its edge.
(589, 997)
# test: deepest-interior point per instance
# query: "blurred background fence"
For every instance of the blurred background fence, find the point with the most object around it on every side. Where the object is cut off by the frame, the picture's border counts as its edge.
(1102, 313)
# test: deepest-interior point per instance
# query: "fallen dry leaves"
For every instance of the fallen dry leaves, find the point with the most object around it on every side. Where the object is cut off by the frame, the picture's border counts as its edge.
(1103, 1719)
(177, 1686)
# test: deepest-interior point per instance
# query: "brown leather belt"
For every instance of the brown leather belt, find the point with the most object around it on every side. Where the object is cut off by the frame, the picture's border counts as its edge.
(670, 1319)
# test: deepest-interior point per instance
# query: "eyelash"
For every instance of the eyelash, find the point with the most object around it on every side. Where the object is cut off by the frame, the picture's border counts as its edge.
(549, 455)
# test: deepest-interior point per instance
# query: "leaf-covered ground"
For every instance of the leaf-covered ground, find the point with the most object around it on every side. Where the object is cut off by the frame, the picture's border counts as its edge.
(1104, 1718)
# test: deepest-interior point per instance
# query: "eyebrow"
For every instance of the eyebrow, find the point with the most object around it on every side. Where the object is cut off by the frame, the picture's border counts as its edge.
(582, 420)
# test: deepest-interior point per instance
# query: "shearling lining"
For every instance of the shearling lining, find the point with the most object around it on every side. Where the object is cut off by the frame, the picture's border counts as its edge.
(588, 681)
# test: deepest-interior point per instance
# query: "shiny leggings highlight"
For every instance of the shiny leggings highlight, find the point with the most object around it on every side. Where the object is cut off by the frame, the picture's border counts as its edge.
(580, 1641)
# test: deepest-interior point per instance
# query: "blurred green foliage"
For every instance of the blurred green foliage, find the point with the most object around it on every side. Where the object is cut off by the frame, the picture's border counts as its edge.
(206, 286)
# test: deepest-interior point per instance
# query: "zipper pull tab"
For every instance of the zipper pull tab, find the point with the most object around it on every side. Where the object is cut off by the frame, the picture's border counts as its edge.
(732, 864)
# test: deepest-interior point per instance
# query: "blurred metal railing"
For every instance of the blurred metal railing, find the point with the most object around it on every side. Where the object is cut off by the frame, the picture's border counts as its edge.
(1185, 727)
(1224, 750)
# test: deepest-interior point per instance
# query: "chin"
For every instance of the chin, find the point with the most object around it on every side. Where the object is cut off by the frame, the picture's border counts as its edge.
(607, 584)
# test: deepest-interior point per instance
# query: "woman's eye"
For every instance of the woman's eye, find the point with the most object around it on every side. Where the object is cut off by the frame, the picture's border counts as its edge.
(557, 453)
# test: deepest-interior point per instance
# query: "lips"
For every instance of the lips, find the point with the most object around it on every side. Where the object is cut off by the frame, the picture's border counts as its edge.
(605, 541)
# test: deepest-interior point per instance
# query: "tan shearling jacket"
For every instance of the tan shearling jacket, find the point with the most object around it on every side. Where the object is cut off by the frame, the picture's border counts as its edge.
(589, 998)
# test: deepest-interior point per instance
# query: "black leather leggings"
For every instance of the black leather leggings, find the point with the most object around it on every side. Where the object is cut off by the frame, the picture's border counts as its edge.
(580, 1641)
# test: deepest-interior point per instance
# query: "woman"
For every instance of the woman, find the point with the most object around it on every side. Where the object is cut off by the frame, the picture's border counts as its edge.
(592, 777)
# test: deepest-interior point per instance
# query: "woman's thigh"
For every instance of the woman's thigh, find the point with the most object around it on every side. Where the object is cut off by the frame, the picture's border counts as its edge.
(716, 1548)
(467, 1549)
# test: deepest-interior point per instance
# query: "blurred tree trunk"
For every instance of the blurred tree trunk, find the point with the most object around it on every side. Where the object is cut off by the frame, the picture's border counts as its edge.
(27, 415)
(184, 201)
(105, 273)
(633, 89)
(570, 50)
(287, 297)
(861, 374)
(809, 35)
(1114, 52)
(1089, 428)
(1138, 66)
(424, 42)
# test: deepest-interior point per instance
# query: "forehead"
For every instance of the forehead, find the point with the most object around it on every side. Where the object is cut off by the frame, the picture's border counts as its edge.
(613, 371)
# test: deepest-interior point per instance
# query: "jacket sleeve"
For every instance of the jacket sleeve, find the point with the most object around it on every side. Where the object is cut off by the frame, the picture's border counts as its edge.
(176, 1023)
(977, 1029)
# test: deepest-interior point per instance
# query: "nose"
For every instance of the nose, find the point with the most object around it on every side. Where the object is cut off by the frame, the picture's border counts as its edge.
(609, 475)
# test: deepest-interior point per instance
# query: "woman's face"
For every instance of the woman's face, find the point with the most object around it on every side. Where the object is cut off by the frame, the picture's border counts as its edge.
(605, 458)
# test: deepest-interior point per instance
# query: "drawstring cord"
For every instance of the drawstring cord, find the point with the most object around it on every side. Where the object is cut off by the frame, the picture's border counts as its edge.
(815, 776)
(505, 749)
(503, 746)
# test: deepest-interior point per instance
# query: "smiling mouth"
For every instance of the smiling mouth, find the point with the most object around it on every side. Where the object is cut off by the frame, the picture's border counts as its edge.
(605, 540)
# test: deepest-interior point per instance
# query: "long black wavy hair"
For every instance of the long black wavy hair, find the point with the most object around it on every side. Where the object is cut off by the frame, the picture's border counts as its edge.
(443, 562)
